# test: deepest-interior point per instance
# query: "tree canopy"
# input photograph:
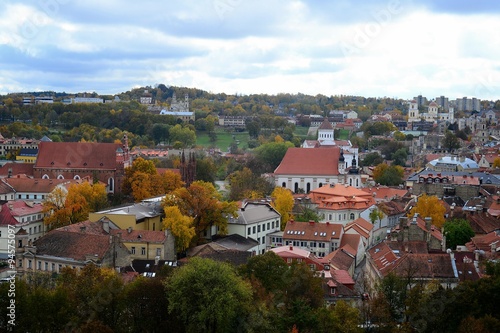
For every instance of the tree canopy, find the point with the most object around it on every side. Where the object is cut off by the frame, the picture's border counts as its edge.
(429, 206)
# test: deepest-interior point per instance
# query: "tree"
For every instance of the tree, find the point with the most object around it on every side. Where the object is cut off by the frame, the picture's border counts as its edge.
(400, 157)
(202, 201)
(450, 141)
(182, 134)
(429, 206)
(496, 163)
(269, 269)
(283, 203)
(376, 215)
(272, 153)
(372, 159)
(458, 232)
(388, 175)
(208, 296)
(181, 227)
(244, 184)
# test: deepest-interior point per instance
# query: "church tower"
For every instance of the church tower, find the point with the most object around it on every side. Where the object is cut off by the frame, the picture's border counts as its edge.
(413, 114)
(342, 163)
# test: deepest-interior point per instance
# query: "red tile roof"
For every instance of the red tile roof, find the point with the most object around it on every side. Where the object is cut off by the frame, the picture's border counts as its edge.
(313, 231)
(484, 242)
(141, 236)
(18, 208)
(385, 193)
(383, 258)
(17, 169)
(304, 161)
(36, 185)
(350, 243)
(74, 155)
(341, 197)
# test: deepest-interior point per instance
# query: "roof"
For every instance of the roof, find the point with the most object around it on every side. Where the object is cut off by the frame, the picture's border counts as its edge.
(73, 245)
(28, 151)
(19, 208)
(252, 212)
(31, 185)
(303, 161)
(484, 242)
(17, 169)
(312, 231)
(140, 236)
(383, 257)
(218, 252)
(341, 259)
(140, 210)
(336, 197)
(385, 193)
(465, 163)
(350, 242)
(291, 252)
(426, 265)
(75, 155)
(237, 242)
(325, 125)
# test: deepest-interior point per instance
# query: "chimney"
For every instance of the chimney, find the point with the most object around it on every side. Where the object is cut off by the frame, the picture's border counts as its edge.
(428, 222)
(414, 219)
(10, 173)
(129, 230)
(82, 228)
(291, 248)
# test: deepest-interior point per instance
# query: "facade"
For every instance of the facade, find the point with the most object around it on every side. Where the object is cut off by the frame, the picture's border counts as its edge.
(232, 121)
(304, 170)
(434, 113)
(27, 155)
(76, 160)
(256, 220)
(14, 145)
(453, 163)
(87, 100)
(30, 189)
(18, 214)
(468, 104)
(318, 238)
(340, 203)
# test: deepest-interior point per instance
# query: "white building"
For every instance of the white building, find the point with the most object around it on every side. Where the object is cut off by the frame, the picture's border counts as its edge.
(434, 113)
(255, 220)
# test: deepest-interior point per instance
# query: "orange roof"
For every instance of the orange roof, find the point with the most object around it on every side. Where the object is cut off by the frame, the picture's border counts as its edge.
(37, 185)
(340, 197)
(384, 192)
(383, 257)
(361, 222)
(303, 161)
(350, 243)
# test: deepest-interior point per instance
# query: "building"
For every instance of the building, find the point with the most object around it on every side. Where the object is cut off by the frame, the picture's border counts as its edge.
(468, 104)
(453, 163)
(27, 155)
(32, 189)
(434, 113)
(60, 248)
(256, 220)
(14, 145)
(145, 215)
(318, 238)
(18, 214)
(232, 121)
(87, 100)
(303, 170)
(180, 109)
(76, 160)
(340, 203)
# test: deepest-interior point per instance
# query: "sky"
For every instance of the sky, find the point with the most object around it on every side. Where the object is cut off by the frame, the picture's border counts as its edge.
(371, 48)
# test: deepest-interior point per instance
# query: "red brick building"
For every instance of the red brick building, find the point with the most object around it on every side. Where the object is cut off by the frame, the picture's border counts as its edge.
(76, 160)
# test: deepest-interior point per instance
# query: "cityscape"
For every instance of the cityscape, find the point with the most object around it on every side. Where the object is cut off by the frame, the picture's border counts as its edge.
(227, 167)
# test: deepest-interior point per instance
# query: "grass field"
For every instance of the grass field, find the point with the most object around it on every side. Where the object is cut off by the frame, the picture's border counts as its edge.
(343, 134)
(224, 139)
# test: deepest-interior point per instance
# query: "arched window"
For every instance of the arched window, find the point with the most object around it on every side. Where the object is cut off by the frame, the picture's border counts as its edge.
(308, 187)
(351, 216)
(111, 185)
(76, 177)
(296, 187)
(60, 177)
(320, 184)
(357, 182)
(350, 181)
(45, 176)
(283, 184)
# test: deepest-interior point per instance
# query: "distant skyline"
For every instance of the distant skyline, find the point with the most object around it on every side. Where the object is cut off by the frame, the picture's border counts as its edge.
(372, 48)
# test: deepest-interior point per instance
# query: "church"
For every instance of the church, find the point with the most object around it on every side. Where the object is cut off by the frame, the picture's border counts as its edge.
(303, 170)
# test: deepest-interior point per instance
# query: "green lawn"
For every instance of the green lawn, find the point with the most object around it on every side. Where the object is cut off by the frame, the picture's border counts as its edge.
(224, 139)
(343, 134)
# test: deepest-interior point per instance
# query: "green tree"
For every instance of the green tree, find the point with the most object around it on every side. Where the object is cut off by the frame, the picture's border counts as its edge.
(458, 232)
(208, 296)
(400, 157)
(450, 141)
(182, 134)
(272, 153)
(372, 159)
(388, 175)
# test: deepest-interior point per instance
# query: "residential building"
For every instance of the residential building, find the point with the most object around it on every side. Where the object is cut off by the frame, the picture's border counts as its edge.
(318, 238)
(255, 221)
(14, 145)
(27, 155)
(87, 100)
(32, 189)
(18, 214)
(232, 121)
(60, 248)
(468, 104)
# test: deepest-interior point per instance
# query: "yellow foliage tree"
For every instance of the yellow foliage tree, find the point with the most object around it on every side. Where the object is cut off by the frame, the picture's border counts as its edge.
(379, 170)
(181, 227)
(429, 206)
(496, 163)
(283, 203)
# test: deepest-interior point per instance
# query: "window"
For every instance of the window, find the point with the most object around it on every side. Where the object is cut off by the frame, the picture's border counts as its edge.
(53, 267)
(249, 231)
(29, 264)
(19, 243)
(60, 267)
(312, 267)
(351, 216)
(333, 290)
(143, 251)
(258, 228)
(158, 251)
(132, 250)
(289, 260)
(46, 266)
(39, 265)
(20, 263)
(254, 229)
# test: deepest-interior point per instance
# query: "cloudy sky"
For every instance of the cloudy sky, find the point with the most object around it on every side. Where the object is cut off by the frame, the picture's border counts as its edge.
(394, 48)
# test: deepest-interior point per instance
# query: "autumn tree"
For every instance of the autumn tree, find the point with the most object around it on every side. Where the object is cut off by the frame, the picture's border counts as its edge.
(143, 181)
(245, 184)
(429, 206)
(204, 204)
(388, 175)
(450, 141)
(181, 227)
(496, 163)
(63, 207)
(283, 203)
